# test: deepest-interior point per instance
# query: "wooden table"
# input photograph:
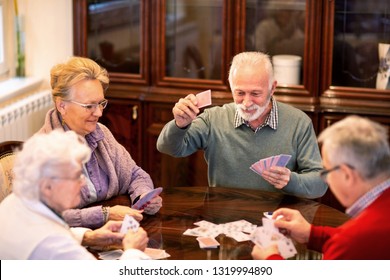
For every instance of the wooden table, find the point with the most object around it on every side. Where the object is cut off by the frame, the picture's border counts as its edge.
(183, 206)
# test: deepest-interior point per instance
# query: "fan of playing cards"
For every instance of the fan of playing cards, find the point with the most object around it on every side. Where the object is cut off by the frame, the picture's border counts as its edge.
(146, 198)
(267, 234)
(266, 163)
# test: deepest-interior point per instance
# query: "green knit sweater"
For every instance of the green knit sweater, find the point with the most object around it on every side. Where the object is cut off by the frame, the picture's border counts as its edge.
(230, 151)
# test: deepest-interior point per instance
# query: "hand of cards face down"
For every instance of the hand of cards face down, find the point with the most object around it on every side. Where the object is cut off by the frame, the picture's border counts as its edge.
(146, 198)
(266, 163)
(268, 234)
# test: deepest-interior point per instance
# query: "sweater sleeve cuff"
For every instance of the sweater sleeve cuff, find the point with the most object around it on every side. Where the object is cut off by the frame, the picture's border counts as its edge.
(78, 233)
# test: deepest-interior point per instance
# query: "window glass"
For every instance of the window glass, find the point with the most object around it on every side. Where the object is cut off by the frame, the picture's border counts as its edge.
(361, 48)
(3, 65)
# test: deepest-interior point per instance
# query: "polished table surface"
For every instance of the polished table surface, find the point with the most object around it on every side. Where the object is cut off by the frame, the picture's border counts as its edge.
(183, 206)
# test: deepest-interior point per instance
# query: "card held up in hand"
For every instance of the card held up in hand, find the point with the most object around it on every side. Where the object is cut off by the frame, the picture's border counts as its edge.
(203, 98)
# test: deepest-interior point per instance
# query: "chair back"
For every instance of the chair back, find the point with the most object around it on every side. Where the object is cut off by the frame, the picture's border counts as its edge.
(7, 157)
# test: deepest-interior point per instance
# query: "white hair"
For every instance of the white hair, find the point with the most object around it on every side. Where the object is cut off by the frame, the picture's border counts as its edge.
(42, 155)
(256, 60)
(358, 142)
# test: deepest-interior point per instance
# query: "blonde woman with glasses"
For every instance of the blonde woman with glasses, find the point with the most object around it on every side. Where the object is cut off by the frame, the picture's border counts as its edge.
(78, 88)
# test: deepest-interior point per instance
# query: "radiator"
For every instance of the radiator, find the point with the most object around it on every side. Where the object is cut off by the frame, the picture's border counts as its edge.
(21, 119)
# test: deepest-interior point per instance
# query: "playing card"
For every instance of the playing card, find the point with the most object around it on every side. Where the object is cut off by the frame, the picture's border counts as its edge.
(156, 254)
(203, 98)
(146, 198)
(286, 248)
(265, 163)
(207, 242)
(201, 231)
(111, 255)
(269, 226)
(129, 223)
(205, 224)
(269, 215)
(283, 160)
(274, 160)
(239, 236)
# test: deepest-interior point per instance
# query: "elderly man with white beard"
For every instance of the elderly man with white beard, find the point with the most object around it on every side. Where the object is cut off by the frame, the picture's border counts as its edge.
(253, 127)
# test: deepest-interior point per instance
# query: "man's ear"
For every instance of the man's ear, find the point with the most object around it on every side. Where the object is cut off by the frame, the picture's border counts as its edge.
(273, 88)
(349, 174)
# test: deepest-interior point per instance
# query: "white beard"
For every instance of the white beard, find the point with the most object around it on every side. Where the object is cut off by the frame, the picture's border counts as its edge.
(251, 116)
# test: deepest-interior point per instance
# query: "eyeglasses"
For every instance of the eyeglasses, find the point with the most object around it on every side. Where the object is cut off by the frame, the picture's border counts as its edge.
(91, 107)
(79, 179)
(324, 173)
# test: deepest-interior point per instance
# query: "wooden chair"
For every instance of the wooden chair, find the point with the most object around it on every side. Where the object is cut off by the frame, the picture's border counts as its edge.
(7, 157)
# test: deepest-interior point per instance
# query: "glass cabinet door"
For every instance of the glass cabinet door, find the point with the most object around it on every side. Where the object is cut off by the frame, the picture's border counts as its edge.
(114, 34)
(192, 42)
(361, 44)
(277, 27)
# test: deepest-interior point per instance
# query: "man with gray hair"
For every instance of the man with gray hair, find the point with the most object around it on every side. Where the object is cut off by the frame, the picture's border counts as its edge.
(48, 180)
(356, 156)
(255, 126)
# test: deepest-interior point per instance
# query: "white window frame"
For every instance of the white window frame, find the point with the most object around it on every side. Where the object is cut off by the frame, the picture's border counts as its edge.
(4, 40)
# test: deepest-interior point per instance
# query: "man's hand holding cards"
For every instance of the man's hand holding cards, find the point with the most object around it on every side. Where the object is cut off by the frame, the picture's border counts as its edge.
(268, 234)
(266, 163)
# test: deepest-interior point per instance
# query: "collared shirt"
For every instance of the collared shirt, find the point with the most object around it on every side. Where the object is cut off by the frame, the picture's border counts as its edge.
(368, 198)
(271, 120)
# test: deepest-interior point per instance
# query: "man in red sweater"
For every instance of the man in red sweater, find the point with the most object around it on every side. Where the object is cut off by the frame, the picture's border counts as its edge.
(356, 158)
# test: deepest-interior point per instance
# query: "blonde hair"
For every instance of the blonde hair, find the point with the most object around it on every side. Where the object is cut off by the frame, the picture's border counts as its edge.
(64, 75)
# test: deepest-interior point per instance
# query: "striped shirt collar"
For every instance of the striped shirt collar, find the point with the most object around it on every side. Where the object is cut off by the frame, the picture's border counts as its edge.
(271, 120)
(368, 198)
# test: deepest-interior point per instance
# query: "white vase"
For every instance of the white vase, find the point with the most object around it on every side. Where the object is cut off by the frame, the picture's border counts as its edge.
(382, 79)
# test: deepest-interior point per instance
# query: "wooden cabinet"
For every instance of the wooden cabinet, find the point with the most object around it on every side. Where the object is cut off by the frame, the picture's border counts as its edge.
(124, 119)
(159, 51)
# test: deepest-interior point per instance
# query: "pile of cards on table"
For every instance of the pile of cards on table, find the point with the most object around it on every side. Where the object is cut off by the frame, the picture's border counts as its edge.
(206, 232)
(268, 234)
(266, 163)
(129, 223)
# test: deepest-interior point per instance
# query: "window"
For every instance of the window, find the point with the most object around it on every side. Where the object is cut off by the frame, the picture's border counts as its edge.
(3, 65)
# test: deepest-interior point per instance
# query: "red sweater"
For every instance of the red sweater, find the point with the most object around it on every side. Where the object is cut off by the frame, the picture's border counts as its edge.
(365, 237)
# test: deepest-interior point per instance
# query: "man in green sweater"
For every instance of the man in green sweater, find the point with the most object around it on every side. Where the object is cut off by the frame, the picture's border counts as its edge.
(253, 127)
